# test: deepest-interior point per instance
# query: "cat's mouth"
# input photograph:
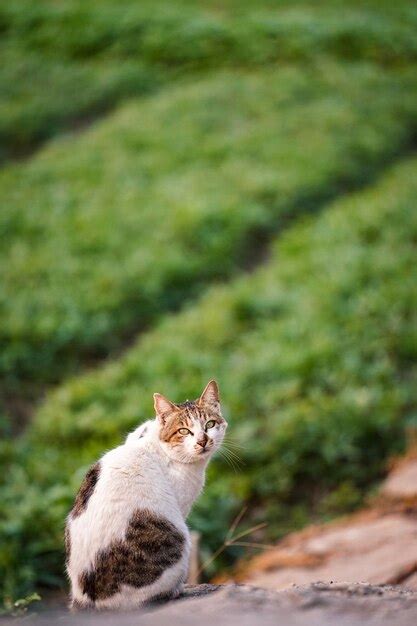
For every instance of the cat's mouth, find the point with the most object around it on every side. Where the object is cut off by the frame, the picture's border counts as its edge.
(203, 451)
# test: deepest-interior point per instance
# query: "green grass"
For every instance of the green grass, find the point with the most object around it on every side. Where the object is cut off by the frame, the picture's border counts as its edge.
(103, 233)
(234, 124)
(315, 354)
(63, 62)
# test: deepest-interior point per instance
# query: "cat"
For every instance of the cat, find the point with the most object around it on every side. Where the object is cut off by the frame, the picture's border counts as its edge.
(127, 541)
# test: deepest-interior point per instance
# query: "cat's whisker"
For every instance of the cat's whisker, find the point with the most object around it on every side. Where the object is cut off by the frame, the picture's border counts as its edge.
(236, 464)
(232, 442)
(229, 451)
(227, 446)
(233, 454)
(228, 438)
(229, 461)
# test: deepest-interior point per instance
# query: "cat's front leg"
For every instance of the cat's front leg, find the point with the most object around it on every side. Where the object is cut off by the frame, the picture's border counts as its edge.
(177, 591)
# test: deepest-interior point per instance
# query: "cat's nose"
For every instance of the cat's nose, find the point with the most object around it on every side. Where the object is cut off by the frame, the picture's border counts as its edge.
(202, 441)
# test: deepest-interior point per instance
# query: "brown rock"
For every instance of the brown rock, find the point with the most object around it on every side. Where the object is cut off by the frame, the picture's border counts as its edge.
(377, 545)
(411, 582)
(378, 551)
(401, 484)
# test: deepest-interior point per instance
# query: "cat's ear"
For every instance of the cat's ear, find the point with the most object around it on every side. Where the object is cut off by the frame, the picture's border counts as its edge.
(163, 406)
(210, 395)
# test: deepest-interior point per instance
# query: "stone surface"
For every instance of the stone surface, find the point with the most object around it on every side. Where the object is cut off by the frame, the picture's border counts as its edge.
(402, 482)
(411, 582)
(318, 604)
(379, 551)
(377, 545)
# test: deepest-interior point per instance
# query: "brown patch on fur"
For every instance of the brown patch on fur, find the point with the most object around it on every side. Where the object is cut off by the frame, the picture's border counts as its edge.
(67, 543)
(152, 545)
(86, 490)
(183, 418)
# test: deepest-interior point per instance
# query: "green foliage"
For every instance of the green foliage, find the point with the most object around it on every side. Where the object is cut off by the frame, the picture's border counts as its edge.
(103, 233)
(315, 353)
(265, 114)
(19, 607)
(63, 62)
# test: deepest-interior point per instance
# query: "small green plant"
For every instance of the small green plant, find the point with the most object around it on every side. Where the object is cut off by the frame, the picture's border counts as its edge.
(17, 608)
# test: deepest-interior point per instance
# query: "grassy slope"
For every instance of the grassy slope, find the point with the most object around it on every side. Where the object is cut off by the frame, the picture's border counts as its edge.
(104, 232)
(314, 353)
(69, 60)
(315, 356)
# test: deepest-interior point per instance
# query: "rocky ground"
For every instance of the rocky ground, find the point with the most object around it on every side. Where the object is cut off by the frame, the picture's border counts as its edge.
(318, 604)
(377, 545)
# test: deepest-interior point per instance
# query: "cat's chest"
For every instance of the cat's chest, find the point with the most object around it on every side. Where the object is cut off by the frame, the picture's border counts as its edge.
(187, 482)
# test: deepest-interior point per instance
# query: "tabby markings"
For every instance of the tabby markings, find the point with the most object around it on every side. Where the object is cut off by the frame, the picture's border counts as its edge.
(152, 545)
(86, 490)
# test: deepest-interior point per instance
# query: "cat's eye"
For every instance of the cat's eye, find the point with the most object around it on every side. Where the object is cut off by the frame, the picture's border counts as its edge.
(184, 431)
(210, 424)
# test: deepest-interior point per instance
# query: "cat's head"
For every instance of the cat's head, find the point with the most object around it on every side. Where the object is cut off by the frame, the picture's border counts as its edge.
(193, 430)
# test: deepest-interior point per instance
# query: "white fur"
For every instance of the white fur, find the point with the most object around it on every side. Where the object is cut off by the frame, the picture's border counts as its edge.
(142, 473)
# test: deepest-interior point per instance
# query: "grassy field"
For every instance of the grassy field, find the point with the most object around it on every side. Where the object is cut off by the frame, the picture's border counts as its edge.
(63, 63)
(225, 190)
(315, 356)
(105, 232)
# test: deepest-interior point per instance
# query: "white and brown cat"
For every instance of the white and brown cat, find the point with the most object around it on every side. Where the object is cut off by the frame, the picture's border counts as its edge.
(126, 537)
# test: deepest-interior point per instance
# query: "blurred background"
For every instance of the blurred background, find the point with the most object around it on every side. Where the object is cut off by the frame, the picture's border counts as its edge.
(205, 189)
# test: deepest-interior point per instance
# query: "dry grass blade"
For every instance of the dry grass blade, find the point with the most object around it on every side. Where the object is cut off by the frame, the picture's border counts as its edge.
(231, 540)
(253, 544)
(236, 521)
(244, 533)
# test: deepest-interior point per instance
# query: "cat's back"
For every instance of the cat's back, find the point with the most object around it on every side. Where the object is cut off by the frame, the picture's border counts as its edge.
(124, 479)
(134, 475)
(125, 508)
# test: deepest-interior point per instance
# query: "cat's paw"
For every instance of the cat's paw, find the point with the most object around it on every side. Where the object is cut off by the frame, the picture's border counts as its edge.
(178, 591)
